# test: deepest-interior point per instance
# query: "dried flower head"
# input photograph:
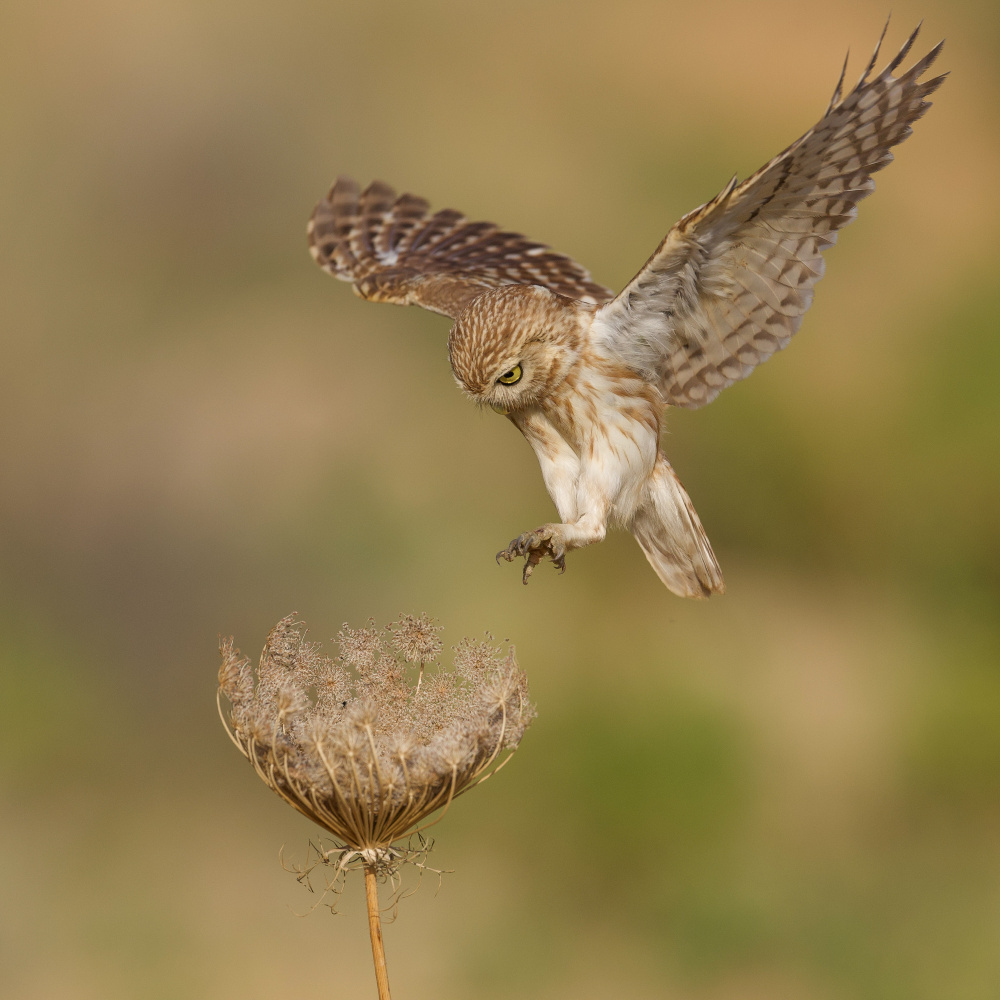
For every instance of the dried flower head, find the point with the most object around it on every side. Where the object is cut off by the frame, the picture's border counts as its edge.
(355, 744)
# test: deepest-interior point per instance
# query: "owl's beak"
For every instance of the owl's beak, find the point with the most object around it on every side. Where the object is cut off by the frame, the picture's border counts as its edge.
(499, 409)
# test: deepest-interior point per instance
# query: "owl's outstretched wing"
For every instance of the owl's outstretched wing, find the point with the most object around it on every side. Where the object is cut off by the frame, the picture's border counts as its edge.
(393, 250)
(730, 282)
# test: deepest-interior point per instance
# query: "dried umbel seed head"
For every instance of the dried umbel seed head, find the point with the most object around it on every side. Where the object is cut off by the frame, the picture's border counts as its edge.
(359, 745)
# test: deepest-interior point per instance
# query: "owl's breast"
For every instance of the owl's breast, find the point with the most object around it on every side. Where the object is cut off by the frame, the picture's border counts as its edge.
(610, 419)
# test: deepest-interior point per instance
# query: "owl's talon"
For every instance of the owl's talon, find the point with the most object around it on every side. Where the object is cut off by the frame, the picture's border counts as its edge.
(509, 553)
(535, 546)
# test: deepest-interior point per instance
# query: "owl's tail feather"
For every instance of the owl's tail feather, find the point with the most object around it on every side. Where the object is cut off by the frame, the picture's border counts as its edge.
(669, 532)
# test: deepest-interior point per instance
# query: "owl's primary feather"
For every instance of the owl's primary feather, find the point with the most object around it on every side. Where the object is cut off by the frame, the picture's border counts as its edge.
(585, 374)
(729, 284)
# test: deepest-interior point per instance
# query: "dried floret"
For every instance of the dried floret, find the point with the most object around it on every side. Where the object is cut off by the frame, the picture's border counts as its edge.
(416, 638)
(359, 648)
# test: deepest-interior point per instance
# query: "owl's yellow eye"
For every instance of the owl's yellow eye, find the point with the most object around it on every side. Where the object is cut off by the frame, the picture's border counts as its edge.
(512, 377)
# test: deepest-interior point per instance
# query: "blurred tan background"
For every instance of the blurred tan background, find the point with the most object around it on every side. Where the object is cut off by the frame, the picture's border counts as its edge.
(788, 792)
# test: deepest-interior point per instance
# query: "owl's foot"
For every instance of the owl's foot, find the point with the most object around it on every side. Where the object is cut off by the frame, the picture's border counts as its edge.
(535, 546)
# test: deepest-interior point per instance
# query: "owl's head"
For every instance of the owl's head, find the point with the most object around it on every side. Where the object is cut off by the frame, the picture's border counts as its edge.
(513, 345)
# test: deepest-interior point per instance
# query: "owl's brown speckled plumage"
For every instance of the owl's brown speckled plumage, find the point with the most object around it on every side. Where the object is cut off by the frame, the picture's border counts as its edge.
(585, 374)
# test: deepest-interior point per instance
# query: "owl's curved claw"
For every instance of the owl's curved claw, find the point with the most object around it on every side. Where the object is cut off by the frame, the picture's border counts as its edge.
(535, 546)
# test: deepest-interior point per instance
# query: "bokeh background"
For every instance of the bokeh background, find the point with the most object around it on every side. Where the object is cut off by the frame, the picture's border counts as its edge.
(788, 792)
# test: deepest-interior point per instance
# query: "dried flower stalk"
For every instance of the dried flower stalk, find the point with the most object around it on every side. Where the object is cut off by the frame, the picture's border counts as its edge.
(362, 751)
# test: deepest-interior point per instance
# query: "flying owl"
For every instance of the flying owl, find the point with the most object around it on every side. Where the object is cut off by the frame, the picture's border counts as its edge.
(586, 375)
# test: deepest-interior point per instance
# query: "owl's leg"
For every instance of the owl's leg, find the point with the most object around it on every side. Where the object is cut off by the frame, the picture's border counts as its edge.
(581, 499)
(561, 471)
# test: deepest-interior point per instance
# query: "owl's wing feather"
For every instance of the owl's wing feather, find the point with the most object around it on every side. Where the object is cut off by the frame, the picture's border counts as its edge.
(393, 250)
(730, 282)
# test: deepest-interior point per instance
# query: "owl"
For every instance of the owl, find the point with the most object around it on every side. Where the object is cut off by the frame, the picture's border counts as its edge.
(586, 375)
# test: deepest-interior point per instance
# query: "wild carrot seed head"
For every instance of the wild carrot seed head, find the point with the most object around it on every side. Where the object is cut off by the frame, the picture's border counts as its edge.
(353, 744)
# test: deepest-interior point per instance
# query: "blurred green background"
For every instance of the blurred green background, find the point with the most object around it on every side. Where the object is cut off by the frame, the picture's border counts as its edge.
(787, 792)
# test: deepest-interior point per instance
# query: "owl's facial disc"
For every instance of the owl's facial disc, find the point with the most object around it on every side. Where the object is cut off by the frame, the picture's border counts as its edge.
(511, 345)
